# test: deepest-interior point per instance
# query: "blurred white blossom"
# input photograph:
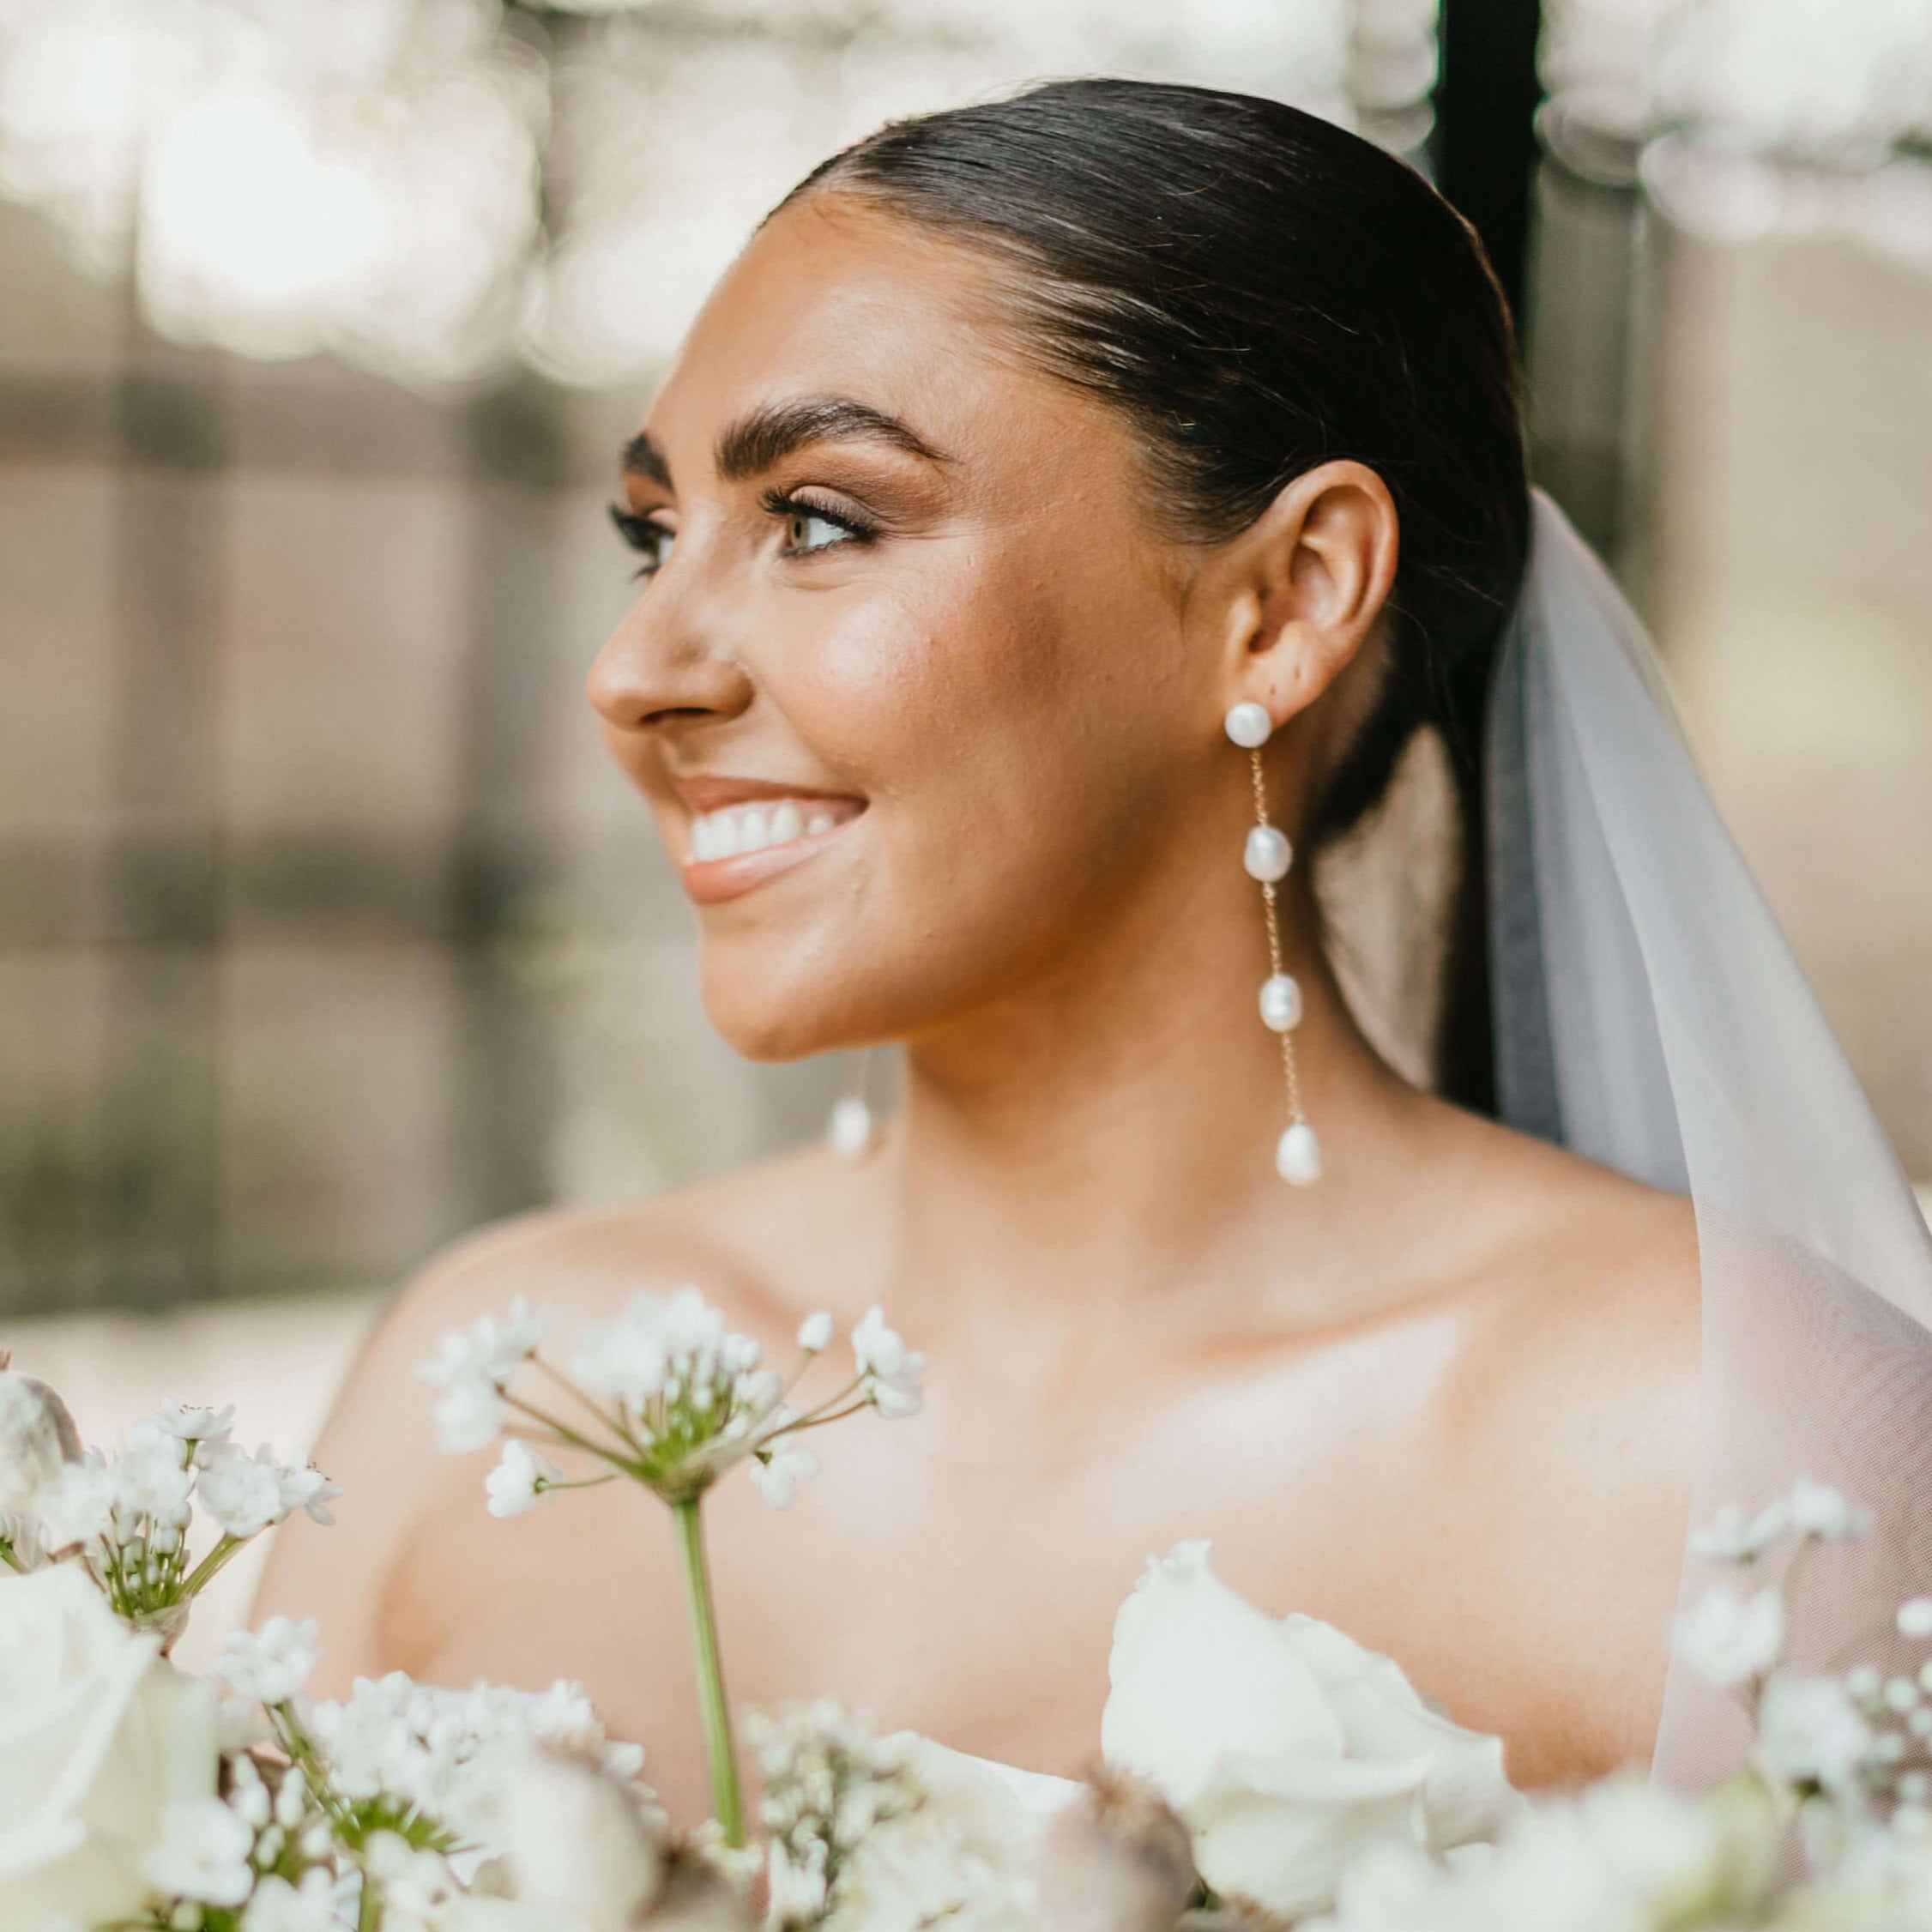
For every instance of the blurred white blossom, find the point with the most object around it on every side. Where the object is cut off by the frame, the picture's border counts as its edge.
(888, 1371)
(205, 1854)
(272, 1664)
(1726, 1638)
(520, 1480)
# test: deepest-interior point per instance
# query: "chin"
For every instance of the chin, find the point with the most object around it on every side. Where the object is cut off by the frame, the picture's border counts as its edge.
(772, 1015)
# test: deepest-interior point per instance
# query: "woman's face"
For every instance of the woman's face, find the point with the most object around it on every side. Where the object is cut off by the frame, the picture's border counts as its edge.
(910, 680)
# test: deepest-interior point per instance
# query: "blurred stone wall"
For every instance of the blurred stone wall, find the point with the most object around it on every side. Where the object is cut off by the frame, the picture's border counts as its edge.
(326, 930)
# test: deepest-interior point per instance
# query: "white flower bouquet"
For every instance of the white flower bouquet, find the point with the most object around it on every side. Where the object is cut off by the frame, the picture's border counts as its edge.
(1256, 1771)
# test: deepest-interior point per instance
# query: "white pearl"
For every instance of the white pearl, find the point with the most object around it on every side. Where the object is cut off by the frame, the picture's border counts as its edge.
(1298, 1155)
(1249, 725)
(1269, 854)
(849, 1131)
(1281, 1003)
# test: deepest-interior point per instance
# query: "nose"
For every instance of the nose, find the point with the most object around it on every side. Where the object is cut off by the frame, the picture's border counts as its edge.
(654, 671)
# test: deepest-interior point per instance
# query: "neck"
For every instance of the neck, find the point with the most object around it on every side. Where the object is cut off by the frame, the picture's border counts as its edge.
(1108, 1131)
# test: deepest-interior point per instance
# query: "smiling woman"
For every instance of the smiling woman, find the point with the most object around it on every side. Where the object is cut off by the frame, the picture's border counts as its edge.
(1027, 453)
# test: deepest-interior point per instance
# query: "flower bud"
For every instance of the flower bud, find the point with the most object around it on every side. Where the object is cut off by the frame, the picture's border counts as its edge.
(696, 1897)
(575, 1845)
(1115, 1860)
(37, 1436)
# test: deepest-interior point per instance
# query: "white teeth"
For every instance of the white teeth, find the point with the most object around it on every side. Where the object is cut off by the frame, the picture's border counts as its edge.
(752, 828)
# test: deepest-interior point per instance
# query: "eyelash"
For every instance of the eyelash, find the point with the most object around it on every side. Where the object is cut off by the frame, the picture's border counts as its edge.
(643, 534)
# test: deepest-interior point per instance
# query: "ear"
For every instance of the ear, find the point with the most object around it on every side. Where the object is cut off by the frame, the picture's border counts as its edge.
(1297, 594)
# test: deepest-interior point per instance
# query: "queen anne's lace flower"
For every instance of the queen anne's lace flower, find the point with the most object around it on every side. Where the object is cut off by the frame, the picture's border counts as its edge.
(888, 1369)
(194, 1425)
(472, 1366)
(827, 1782)
(308, 1905)
(521, 1480)
(204, 1854)
(244, 1493)
(271, 1664)
(309, 1491)
(411, 1756)
(76, 1507)
(778, 1472)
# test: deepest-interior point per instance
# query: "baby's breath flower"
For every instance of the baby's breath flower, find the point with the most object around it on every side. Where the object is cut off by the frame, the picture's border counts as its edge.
(815, 1333)
(1727, 1639)
(1915, 1618)
(1810, 1732)
(1819, 1511)
(1737, 1537)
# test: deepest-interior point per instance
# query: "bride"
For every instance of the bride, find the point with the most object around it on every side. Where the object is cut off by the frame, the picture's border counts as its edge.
(1054, 492)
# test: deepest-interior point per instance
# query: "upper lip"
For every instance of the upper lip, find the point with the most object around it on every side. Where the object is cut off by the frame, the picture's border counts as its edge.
(713, 791)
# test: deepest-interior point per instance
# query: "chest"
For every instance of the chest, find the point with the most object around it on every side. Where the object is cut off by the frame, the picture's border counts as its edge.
(960, 1576)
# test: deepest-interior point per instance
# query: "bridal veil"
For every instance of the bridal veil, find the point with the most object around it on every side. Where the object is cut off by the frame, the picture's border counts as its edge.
(1650, 1015)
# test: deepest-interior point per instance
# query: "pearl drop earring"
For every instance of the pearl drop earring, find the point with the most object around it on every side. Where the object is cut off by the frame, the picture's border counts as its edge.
(1266, 858)
(849, 1131)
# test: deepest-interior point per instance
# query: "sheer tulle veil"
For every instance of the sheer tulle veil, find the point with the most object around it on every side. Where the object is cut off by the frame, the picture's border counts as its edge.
(1650, 1015)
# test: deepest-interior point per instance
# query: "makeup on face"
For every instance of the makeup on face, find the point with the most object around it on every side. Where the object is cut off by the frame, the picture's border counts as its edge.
(740, 832)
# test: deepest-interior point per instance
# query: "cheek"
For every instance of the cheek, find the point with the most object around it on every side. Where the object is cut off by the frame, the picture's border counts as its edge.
(992, 691)
(1011, 727)
(1013, 723)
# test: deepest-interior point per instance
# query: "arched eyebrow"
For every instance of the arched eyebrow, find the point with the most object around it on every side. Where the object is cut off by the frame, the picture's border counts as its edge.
(765, 435)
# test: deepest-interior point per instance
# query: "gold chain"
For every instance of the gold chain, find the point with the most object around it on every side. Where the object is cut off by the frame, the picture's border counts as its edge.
(1289, 1070)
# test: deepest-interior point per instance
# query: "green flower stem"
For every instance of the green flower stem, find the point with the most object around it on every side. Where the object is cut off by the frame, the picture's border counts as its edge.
(727, 1794)
(617, 1458)
(614, 1423)
(301, 1753)
(7, 1557)
(205, 1571)
(818, 1421)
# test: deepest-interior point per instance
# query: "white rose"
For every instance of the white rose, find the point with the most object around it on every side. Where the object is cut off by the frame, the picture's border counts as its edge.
(1284, 1745)
(98, 1738)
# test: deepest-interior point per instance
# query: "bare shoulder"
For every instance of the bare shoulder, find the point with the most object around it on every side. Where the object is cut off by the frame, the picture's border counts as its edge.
(765, 1243)
(1575, 1419)
(758, 1241)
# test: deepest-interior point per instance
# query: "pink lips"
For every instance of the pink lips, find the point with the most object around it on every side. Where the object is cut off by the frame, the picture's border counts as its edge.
(710, 880)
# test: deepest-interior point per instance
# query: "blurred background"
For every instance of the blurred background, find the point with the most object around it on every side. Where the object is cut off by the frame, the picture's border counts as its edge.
(326, 931)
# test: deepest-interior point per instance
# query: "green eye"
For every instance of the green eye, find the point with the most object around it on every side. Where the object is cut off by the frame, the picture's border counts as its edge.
(807, 530)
